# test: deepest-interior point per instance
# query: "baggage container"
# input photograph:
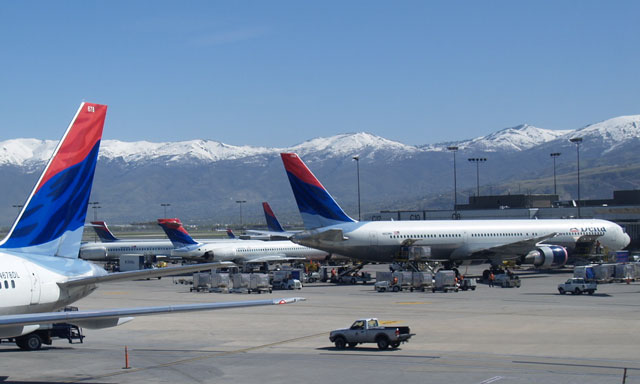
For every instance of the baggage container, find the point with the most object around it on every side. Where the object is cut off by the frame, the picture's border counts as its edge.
(421, 281)
(220, 282)
(623, 272)
(603, 272)
(259, 282)
(445, 281)
(240, 282)
(585, 272)
(201, 281)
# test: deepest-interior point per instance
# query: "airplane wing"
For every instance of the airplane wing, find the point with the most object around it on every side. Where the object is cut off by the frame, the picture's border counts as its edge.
(272, 234)
(272, 258)
(144, 273)
(112, 317)
(512, 250)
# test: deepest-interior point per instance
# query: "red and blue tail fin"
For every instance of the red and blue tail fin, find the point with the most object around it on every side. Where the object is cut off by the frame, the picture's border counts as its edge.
(316, 206)
(52, 220)
(103, 232)
(230, 234)
(176, 233)
(272, 221)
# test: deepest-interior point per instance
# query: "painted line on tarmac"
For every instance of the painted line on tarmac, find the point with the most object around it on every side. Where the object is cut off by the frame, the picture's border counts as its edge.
(197, 358)
(575, 365)
(491, 380)
(412, 302)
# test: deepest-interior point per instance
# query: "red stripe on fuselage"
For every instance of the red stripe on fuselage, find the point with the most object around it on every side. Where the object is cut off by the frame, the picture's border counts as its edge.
(85, 132)
(294, 165)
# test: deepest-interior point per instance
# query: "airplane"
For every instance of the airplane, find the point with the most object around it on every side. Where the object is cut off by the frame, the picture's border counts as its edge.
(275, 230)
(239, 252)
(40, 272)
(111, 248)
(543, 243)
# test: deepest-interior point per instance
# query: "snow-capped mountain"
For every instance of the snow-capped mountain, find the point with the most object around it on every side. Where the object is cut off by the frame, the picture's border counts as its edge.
(350, 144)
(23, 152)
(519, 138)
(202, 179)
(606, 136)
(609, 135)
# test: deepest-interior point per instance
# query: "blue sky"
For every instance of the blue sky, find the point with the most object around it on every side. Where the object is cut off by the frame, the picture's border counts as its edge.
(276, 73)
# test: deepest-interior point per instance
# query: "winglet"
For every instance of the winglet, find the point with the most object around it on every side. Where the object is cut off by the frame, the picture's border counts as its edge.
(176, 233)
(230, 234)
(103, 232)
(52, 220)
(288, 300)
(316, 206)
(272, 221)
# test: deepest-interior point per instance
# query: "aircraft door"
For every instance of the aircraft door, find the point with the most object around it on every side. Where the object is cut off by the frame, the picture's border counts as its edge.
(34, 282)
(373, 238)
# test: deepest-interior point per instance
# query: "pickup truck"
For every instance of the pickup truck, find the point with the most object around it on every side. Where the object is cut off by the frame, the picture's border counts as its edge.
(369, 331)
(576, 286)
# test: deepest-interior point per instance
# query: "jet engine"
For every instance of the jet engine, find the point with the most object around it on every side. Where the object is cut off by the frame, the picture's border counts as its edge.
(95, 253)
(552, 256)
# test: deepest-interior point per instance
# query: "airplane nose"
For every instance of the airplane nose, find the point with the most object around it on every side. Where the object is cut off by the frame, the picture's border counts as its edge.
(627, 240)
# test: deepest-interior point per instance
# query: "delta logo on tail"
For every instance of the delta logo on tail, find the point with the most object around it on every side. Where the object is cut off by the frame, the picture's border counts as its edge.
(103, 232)
(176, 232)
(52, 220)
(316, 206)
(272, 222)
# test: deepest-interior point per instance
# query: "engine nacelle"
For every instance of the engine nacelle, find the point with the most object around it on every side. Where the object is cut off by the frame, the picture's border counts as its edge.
(94, 252)
(552, 256)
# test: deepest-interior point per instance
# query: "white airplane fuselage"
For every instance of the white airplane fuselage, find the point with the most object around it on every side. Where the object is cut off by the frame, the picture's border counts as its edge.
(247, 250)
(454, 240)
(30, 285)
(100, 251)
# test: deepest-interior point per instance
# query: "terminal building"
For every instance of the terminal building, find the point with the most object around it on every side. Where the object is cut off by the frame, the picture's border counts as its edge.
(623, 208)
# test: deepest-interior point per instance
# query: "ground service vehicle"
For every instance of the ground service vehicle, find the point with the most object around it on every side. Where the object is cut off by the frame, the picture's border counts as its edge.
(576, 286)
(506, 280)
(370, 331)
(468, 283)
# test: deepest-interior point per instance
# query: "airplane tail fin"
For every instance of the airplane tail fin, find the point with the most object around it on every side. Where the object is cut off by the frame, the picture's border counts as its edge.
(230, 234)
(316, 206)
(272, 222)
(52, 220)
(176, 233)
(103, 232)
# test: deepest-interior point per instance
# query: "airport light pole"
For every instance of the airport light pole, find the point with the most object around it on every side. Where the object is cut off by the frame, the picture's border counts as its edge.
(577, 141)
(240, 202)
(454, 149)
(165, 205)
(357, 159)
(95, 205)
(553, 156)
(477, 160)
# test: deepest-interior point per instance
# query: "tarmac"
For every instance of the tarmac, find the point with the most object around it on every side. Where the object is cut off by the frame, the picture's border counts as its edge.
(530, 334)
